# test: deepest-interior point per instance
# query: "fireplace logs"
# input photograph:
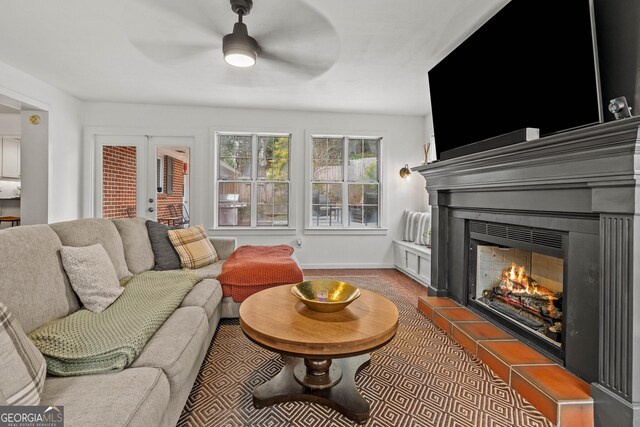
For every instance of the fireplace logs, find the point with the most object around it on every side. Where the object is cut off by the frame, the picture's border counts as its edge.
(521, 298)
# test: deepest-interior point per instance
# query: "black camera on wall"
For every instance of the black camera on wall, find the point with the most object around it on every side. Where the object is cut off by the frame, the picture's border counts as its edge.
(619, 108)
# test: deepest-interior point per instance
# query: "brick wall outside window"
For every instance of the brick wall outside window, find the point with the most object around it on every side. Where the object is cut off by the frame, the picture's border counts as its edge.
(118, 181)
(119, 184)
(174, 198)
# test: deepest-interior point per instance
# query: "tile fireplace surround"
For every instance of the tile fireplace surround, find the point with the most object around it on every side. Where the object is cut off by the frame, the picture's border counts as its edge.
(584, 185)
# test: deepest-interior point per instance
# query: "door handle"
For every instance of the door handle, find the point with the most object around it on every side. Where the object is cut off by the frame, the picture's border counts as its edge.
(150, 209)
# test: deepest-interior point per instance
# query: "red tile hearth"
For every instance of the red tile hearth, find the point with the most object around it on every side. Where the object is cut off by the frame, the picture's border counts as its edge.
(561, 396)
(468, 334)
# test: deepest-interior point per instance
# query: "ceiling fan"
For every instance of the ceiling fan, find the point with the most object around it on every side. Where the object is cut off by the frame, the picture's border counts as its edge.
(239, 48)
(188, 36)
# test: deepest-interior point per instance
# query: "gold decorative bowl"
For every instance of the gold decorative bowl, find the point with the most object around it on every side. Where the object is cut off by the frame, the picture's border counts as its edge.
(326, 296)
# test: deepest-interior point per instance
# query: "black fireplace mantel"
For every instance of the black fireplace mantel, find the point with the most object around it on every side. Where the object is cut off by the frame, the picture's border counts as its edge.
(585, 182)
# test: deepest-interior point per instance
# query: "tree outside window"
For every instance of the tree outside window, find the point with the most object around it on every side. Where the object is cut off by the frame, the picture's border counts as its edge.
(345, 186)
(253, 180)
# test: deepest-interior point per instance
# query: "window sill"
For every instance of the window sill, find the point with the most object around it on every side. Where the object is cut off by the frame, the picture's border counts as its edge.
(248, 231)
(346, 231)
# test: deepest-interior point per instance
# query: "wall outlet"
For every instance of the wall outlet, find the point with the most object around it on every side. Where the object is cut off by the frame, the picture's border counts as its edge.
(299, 242)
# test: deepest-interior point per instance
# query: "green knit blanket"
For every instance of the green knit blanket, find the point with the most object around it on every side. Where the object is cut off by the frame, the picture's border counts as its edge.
(90, 343)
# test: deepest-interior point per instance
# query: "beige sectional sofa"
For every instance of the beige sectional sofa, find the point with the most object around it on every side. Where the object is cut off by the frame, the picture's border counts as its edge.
(154, 389)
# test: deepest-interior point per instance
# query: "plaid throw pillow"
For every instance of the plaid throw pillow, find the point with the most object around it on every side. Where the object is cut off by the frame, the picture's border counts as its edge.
(193, 247)
(22, 366)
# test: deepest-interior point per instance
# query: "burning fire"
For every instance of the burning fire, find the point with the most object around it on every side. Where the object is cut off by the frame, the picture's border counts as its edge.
(517, 289)
(515, 280)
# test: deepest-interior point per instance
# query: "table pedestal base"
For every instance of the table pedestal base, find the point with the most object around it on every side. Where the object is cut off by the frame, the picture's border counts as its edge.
(342, 395)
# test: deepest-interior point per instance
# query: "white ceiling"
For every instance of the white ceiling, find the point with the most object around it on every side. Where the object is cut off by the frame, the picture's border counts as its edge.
(368, 56)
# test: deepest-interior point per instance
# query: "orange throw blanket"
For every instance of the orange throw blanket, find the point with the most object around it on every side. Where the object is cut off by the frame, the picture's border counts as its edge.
(253, 268)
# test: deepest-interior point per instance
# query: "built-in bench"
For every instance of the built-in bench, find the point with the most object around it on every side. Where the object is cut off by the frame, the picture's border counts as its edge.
(413, 260)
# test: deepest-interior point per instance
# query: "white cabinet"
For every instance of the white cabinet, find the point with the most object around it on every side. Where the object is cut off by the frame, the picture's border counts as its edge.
(414, 260)
(10, 157)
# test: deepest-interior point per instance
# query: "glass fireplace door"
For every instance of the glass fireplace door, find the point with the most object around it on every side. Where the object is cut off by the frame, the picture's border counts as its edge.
(523, 287)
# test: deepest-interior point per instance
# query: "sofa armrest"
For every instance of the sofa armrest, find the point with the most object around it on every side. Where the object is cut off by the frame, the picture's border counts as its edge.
(224, 246)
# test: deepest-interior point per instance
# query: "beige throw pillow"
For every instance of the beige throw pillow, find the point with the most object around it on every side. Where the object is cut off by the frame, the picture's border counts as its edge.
(22, 366)
(92, 276)
(193, 246)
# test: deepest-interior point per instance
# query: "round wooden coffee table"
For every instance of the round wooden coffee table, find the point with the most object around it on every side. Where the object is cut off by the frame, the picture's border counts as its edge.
(322, 352)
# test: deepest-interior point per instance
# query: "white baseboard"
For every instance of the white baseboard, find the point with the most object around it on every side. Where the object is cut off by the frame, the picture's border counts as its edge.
(339, 266)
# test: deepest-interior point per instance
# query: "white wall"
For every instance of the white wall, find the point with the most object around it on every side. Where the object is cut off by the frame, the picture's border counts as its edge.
(63, 154)
(404, 136)
(34, 198)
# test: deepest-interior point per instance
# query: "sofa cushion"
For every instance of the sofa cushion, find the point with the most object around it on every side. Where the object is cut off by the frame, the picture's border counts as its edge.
(137, 246)
(194, 247)
(92, 276)
(206, 295)
(133, 397)
(22, 366)
(87, 232)
(33, 283)
(164, 255)
(175, 347)
(224, 245)
(210, 271)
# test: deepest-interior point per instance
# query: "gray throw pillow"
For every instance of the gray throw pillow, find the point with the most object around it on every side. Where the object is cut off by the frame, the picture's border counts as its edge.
(164, 254)
(92, 276)
(22, 366)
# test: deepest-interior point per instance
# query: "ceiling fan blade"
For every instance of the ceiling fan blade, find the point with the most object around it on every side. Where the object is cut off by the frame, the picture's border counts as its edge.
(283, 63)
(297, 34)
(174, 53)
(205, 15)
(296, 22)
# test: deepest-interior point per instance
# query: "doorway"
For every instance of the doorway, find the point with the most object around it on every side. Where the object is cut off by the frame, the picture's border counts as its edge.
(143, 176)
(10, 183)
(172, 188)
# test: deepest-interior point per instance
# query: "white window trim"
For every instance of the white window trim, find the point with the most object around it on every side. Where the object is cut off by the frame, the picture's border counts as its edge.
(309, 228)
(254, 229)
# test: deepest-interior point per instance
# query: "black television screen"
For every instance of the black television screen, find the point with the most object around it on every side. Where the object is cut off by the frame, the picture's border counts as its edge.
(532, 65)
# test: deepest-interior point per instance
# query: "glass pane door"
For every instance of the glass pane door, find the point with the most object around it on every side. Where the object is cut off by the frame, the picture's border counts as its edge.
(118, 177)
(169, 171)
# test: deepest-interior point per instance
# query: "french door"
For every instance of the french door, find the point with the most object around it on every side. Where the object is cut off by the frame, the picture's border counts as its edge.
(142, 176)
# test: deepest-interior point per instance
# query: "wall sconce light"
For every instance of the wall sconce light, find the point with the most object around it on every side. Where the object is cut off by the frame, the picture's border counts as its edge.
(405, 172)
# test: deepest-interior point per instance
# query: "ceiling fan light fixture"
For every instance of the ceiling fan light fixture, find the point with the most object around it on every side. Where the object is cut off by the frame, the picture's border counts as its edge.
(240, 59)
(239, 48)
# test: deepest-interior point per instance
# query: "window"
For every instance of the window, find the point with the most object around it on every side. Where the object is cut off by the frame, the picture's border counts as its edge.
(253, 180)
(345, 182)
(169, 169)
(160, 173)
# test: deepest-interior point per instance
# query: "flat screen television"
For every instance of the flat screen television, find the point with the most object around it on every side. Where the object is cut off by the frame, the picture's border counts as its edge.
(532, 65)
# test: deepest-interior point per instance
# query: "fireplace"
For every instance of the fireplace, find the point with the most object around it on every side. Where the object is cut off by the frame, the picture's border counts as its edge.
(573, 197)
(517, 277)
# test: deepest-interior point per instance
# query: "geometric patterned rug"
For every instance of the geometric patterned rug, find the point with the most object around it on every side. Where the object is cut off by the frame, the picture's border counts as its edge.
(421, 378)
